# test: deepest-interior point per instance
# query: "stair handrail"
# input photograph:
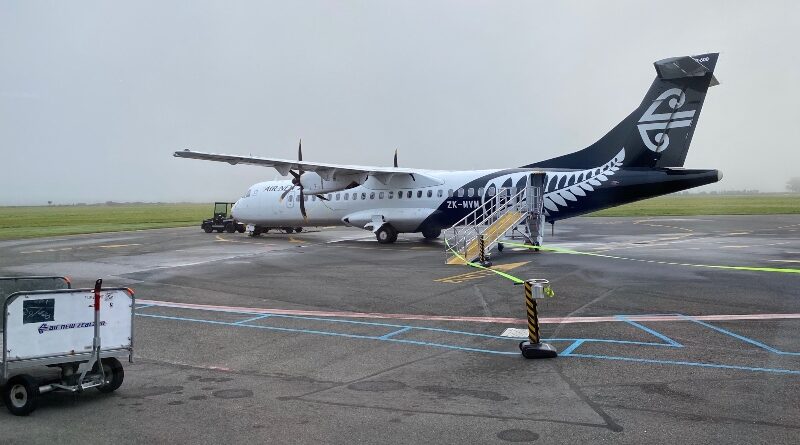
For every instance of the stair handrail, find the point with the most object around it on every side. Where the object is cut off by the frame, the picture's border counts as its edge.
(492, 209)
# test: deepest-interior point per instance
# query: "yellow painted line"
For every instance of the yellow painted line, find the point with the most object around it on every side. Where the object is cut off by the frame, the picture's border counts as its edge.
(457, 279)
(710, 266)
(295, 240)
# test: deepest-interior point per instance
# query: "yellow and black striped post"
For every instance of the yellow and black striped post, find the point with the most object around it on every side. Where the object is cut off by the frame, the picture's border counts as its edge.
(533, 314)
(534, 348)
(482, 259)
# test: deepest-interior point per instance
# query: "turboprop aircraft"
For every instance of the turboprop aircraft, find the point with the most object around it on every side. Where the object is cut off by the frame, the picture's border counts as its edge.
(641, 157)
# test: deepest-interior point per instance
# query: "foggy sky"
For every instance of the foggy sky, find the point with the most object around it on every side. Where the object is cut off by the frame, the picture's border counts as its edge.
(95, 96)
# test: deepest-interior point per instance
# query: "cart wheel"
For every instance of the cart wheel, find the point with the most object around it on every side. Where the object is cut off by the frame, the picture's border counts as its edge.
(21, 395)
(114, 375)
(207, 229)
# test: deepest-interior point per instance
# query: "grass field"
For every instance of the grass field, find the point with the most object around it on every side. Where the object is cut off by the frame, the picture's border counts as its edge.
(686, 205)
(31, 222)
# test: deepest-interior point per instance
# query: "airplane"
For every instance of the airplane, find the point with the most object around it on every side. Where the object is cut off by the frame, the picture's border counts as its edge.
(641, 157)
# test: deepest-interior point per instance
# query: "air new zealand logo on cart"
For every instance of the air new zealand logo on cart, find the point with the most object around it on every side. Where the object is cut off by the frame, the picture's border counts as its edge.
(662, 122)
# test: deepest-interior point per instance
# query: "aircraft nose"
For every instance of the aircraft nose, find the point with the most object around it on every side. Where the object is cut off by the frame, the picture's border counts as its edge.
(234, 209)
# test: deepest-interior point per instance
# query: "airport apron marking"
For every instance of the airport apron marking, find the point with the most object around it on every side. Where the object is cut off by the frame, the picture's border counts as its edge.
(142, 303)
(710, 266)
(390, 333)
(457, 279)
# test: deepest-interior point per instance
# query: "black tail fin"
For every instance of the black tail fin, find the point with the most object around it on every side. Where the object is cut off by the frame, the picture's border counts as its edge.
(658, 133)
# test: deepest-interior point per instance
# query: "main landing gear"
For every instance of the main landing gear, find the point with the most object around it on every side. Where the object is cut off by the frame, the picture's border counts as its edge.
(431, 233)
(386, 234)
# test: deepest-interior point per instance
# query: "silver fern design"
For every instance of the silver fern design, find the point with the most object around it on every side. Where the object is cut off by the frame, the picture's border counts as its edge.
(565, 187)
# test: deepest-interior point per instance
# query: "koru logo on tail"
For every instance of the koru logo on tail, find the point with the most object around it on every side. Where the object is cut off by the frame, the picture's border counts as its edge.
(651, 120)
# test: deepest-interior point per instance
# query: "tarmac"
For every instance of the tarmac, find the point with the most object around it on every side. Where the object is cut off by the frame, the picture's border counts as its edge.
(669, 329)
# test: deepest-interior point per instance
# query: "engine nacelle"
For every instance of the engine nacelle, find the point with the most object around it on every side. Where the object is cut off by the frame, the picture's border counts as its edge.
(314, 184)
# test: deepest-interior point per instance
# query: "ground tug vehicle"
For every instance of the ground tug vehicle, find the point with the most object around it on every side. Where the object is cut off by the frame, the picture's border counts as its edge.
(222, 220)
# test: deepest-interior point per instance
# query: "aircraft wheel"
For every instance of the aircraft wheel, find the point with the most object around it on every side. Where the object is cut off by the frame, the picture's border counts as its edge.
(288, 229)
(21, 395)
(298, 229)
(386, 234)
(431, 233)
(114, 373)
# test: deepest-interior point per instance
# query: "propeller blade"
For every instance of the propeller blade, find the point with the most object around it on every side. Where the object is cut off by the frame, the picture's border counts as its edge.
(395, 158)
(322, 198)
(286, 192)
(300, 150)
(303, 205)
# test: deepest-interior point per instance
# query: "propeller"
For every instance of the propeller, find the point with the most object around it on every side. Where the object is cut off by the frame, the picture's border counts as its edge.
(297, 183)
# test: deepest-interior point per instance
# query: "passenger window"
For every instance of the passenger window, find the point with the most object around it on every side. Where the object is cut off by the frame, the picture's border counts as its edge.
(450, 193)
(363, 196)
(380, 195)
(430, 193)
(480, 192)
(440, 193)
(291, 198)
(346, 196)
(338, 195)
(492, 191)
(408, 195)
(419, 193)
(400, 194)
(355, 196)
(471, 192)
(305, 197)
(330, 196)
(372, 195)
(391, 194)
(460, 193)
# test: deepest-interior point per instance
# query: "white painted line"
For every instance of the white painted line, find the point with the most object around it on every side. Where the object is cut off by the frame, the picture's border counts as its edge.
(497, 320)
(515, 333)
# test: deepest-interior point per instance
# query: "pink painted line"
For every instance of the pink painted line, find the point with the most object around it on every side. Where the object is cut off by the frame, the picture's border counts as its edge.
(497, 320)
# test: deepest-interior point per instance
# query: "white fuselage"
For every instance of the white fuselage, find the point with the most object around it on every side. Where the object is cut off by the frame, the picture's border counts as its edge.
(404, 200)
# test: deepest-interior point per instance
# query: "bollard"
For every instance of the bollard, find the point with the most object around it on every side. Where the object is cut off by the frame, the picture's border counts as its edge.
(533, 347)
(482, 259)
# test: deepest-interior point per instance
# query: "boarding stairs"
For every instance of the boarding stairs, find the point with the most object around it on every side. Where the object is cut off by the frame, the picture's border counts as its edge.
(509, 214)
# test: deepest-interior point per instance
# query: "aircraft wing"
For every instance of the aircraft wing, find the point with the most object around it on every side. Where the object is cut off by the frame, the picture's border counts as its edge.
(326, 171)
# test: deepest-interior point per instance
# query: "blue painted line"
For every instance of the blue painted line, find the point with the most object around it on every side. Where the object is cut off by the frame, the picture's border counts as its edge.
(603, 340)
(652, 332)
(571, 348)
(740, 337)
(698, 364)
(568, 352)
(333, 334)
(397, 332)
(260, 317)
